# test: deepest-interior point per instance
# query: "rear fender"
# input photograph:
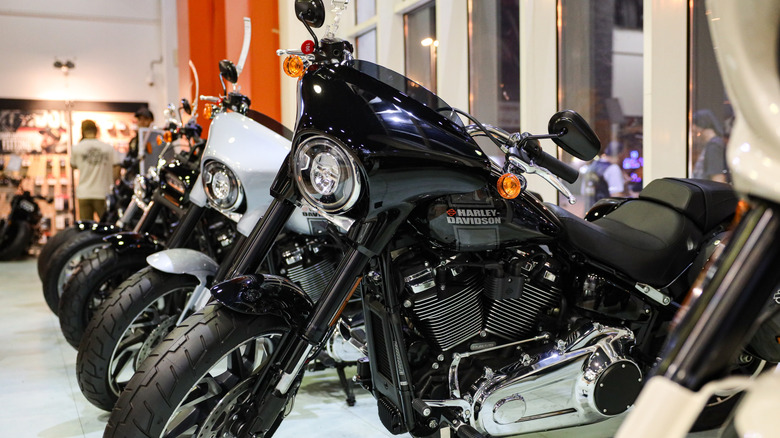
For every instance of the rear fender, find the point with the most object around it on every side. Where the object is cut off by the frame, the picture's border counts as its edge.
(139, 244)
(265, 294)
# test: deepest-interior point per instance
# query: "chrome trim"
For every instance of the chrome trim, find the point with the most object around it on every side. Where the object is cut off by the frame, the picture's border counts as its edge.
(556, 391)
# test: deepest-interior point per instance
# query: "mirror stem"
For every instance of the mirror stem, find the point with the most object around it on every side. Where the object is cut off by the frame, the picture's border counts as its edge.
(313, 35)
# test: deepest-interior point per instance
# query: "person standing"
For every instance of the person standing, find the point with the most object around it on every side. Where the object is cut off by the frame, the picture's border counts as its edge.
(708, 137)
(98, 166)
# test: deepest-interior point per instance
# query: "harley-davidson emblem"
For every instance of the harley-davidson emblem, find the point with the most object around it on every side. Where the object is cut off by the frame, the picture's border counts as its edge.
(473, 216)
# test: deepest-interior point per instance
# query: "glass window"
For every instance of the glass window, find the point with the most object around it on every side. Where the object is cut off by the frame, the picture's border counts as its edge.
(711, 115)
(494, 62)
(600, 69)
(366, 46)
(364, 9)
(420, 45)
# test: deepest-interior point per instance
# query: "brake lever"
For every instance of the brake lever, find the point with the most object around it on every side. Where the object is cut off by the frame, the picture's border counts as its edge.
(544, 174)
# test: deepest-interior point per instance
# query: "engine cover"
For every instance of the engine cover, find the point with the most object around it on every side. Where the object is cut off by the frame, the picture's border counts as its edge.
(587, 380)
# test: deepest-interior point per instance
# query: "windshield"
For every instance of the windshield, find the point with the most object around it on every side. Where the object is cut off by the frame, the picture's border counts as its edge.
(407, 87)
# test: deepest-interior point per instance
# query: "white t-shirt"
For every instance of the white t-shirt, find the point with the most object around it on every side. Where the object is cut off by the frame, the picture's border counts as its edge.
(95, 161)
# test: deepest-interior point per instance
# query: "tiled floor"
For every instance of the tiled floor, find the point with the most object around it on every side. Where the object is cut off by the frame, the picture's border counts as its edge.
(39, 396)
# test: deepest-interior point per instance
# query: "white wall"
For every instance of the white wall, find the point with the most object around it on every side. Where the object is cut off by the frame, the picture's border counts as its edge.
(112, 43)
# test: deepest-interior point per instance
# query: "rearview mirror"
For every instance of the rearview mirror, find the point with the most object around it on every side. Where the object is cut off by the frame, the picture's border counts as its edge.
(577, 138)
(185, 105)
(311, 12)
(228, 71)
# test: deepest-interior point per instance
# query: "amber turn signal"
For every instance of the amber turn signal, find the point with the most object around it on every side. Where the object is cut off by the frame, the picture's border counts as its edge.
(208, 111)
(168, 136)
(509, 186)
(293, 66)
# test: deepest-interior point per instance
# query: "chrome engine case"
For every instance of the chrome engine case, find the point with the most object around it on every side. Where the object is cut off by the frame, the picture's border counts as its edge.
(582, 380)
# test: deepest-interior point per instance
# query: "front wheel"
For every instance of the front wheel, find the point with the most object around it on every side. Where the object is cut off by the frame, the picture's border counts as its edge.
(91, 283)
(131, 322)
(63, 262)
(195, 382)
(50, 246)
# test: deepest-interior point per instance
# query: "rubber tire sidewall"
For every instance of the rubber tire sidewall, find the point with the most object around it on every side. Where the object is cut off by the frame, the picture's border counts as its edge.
(19, 242)
(178, 363)
(111, 321)
(59, 260)
(92, 273)
(50, 246)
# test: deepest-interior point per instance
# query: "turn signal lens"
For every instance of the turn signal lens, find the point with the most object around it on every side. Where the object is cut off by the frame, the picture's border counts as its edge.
(208, 111)
(159, 139)
(167, 136)
(509, 186)
(293, 66)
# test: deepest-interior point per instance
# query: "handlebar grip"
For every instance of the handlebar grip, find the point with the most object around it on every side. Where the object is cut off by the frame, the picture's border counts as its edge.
(556, 166)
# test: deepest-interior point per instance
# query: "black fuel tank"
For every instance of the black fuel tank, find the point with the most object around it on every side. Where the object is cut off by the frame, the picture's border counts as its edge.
(483, 220)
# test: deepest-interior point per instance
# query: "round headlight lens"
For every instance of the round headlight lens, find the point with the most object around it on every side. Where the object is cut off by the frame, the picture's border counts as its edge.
(221, 185)
(326, 175)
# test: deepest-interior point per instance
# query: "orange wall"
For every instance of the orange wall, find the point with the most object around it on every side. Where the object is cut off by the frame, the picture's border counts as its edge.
(212, 30)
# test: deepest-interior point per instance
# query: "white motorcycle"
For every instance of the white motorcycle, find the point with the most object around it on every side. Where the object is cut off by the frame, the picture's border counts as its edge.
(737, 300)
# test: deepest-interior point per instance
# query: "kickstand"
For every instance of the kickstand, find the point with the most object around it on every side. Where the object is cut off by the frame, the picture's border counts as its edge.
(346, 384)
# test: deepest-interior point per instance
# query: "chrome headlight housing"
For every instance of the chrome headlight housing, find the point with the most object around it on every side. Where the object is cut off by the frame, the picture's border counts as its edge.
(326, 175)
(140, 188)
(222, 188)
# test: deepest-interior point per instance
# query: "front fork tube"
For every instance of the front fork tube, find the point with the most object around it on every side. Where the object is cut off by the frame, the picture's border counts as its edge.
(130, 211)
(718, 323)
(325, 316)
(148, 217)
(250, 252)
(186, 226)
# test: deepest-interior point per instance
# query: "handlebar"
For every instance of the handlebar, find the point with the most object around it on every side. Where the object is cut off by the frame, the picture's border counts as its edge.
(539, 162)
(554, 165)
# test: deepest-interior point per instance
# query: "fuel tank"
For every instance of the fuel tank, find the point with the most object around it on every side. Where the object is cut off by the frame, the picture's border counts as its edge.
(482, 220)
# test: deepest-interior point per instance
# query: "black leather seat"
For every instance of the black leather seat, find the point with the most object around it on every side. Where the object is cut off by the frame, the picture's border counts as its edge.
(653, 238)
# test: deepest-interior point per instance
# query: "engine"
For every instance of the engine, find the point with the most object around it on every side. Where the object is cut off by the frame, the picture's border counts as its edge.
(308, 261)
(560, 370)
(454, 300)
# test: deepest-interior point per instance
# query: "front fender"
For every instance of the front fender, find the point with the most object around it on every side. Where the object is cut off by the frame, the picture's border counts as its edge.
(184, 261)
(140, 243)
(97, 227)
(263, 295)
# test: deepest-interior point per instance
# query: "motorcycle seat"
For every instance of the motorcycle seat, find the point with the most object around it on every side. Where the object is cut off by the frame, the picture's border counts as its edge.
(652, 239)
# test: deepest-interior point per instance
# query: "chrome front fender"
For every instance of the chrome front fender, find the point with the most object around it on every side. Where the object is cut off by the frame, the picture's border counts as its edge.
(185, 261)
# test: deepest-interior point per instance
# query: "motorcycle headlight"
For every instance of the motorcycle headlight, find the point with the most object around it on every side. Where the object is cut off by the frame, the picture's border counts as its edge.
(326, 175)
(139, 186)
(222, 187)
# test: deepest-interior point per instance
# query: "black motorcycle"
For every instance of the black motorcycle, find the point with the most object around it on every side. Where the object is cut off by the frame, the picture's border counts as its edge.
(22, 228)
(487, 311)
(124, 253)
(64, 251)
(142, 311)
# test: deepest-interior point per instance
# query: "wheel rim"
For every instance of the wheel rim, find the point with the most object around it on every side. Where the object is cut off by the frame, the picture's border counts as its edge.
(146, 330)
(70, 265)
(212, 402)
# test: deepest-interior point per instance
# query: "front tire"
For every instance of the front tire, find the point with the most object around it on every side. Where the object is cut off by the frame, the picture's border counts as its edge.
(50, 246)
(63, 261)
(91, 283)
(192, 384)
(136, 317)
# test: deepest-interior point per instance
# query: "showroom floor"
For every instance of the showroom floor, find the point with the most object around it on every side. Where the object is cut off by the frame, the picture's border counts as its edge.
(39, 396)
